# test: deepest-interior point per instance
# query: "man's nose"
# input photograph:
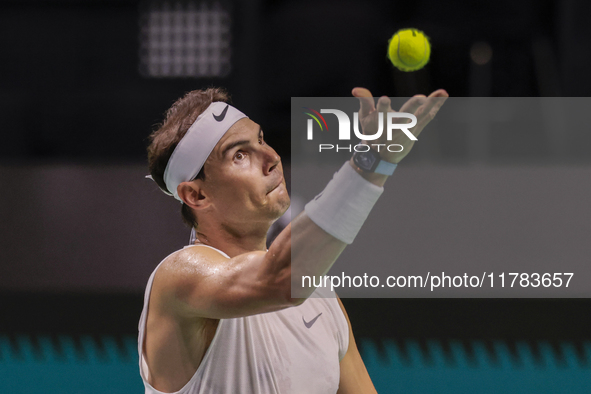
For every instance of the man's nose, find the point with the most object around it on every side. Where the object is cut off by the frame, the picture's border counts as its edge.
(272, 160)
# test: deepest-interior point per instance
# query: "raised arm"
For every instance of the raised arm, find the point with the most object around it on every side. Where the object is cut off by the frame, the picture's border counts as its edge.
(199, 281)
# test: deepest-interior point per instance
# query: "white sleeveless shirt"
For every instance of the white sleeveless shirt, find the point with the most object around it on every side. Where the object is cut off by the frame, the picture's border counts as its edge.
(295, 350)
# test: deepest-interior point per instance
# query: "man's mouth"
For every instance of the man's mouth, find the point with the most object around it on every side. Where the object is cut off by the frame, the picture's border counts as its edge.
(277, 185)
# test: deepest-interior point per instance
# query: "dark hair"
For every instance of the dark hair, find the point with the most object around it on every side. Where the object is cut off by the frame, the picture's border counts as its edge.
(166, 137)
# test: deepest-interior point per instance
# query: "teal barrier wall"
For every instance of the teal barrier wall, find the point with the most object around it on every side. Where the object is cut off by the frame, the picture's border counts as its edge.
(538, 369)
(108, 364)
(56, 365)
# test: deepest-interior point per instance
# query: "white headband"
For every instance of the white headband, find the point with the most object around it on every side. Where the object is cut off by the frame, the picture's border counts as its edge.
(194, 148)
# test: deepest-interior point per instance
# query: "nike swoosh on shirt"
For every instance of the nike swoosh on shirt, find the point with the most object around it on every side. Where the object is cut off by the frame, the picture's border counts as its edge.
(311, 322)
(221, 116)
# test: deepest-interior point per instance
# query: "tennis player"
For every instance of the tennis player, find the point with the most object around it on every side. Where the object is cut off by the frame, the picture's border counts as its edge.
(219, 315)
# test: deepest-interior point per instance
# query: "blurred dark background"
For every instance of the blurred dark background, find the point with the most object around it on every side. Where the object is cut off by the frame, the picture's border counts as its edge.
(76, 89)
(84, 82)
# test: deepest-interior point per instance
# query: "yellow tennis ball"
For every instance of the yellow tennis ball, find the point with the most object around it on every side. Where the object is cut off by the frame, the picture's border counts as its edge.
(409, 49)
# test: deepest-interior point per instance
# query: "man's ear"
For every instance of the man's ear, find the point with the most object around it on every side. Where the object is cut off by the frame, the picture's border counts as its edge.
(193, 195)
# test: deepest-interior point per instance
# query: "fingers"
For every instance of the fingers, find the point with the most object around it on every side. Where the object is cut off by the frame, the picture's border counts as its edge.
(384, 104)
(424, 108)
(413, 104)
(431, 103)
(434, 102)
(426, 112)
(439, 93)
(365, 101)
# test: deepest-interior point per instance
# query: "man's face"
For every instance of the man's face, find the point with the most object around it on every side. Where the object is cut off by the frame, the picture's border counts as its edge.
(244, 178)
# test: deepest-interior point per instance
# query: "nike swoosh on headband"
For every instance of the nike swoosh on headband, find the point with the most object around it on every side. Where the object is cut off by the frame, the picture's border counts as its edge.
(194, 148)
(221, 116)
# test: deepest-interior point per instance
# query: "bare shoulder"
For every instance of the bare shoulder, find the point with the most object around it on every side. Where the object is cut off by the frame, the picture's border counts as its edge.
(201, 282)
(192, 260)
(182, 271)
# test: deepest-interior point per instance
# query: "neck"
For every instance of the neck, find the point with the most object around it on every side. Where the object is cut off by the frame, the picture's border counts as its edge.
(231, 241)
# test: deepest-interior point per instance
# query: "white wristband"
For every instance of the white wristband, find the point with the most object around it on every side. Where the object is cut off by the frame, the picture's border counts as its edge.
(345, 203)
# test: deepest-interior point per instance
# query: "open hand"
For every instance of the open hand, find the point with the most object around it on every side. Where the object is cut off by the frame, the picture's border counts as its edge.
(424, 108)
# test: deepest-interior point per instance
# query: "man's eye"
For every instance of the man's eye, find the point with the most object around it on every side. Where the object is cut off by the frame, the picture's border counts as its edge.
(239, 155)
(261, 141)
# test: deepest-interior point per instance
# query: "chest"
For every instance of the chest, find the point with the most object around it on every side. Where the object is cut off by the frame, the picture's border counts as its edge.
(291, 351)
